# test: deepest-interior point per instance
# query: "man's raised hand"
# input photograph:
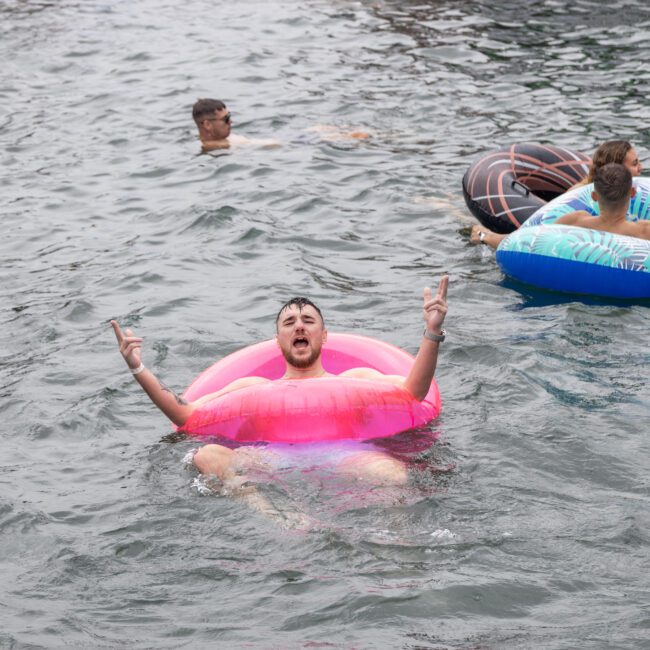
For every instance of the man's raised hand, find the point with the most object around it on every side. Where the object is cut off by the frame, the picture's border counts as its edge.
(434, 308)
(130, 345)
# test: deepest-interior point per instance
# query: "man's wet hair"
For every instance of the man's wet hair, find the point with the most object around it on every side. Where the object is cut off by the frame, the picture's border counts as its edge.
(206, 108)
(301, 302)
(612, 184)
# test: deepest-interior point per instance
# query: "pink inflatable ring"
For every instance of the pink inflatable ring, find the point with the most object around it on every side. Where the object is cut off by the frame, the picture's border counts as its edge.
(309, 410)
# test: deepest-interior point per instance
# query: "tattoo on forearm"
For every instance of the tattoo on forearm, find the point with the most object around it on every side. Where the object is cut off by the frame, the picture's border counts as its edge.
(179, 400)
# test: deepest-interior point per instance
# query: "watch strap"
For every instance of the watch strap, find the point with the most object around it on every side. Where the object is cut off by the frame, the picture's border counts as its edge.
(438, 338)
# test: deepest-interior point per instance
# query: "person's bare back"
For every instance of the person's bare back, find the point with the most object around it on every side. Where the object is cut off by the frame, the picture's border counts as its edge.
(613, 190)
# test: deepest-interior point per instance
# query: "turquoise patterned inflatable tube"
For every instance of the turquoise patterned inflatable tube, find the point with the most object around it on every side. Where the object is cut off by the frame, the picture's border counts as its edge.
(580, 260)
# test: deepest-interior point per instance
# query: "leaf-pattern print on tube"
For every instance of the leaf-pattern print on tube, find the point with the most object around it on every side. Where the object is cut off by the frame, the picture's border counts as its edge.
(578, 260)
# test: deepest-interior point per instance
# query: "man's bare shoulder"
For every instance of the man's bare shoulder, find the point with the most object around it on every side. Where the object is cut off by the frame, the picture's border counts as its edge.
(240, 140)
(213, 145)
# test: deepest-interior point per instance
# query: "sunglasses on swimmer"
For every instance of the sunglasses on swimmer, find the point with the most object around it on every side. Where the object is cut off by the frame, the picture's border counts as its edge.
(225, 119)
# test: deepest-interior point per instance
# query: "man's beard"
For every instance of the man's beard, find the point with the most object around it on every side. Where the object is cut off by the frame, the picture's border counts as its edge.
(304, 362)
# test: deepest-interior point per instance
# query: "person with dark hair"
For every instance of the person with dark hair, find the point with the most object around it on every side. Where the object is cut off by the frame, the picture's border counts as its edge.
(613, 190)
(300, 335)
(612, 151)
(214, 122)
(206, 108)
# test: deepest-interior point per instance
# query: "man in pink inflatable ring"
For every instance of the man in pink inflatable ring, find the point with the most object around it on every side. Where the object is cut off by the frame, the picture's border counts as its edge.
(300, 334)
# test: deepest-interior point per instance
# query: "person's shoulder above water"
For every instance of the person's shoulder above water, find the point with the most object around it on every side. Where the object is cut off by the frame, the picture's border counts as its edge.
(257, 142)
(238, 141)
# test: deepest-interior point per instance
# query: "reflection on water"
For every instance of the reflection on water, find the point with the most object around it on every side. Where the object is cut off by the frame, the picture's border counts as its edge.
(522, 526)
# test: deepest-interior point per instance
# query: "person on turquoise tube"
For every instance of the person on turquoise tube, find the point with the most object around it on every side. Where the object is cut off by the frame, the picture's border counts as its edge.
(300, 334)
(612, 151)
(613, 190)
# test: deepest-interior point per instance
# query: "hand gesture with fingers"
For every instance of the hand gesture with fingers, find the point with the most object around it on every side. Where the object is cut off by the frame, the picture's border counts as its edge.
(129, 344)
(173, 406)
(434, 308)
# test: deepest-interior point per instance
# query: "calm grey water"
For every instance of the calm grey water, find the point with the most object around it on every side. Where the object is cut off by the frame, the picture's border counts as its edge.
(527, 523)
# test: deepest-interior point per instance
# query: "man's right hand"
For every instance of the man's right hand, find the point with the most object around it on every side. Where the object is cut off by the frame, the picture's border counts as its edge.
(129, 344)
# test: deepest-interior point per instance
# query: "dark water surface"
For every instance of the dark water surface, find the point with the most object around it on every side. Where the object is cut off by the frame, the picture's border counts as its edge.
(527, 524)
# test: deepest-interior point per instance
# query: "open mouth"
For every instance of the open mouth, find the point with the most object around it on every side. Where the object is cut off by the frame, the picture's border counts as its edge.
(300, 342)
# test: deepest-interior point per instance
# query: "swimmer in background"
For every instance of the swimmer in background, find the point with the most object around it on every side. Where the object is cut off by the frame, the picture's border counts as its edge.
(300, 335)
(214, 122)
(612, 151)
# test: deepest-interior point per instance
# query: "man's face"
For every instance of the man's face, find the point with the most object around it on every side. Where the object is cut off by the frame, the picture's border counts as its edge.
(300, 335)
(218, 126)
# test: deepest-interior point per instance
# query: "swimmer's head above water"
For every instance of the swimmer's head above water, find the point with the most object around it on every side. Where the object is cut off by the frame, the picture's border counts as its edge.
(615, 151)
(212, 119)
(300, 332)
(613, 187)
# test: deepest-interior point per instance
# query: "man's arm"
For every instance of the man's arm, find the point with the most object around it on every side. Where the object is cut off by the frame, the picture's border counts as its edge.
(434, 311)
(483, 235)
(173, 406)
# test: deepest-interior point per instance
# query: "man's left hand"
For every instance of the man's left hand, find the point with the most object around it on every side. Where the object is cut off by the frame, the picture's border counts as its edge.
(434, 308)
